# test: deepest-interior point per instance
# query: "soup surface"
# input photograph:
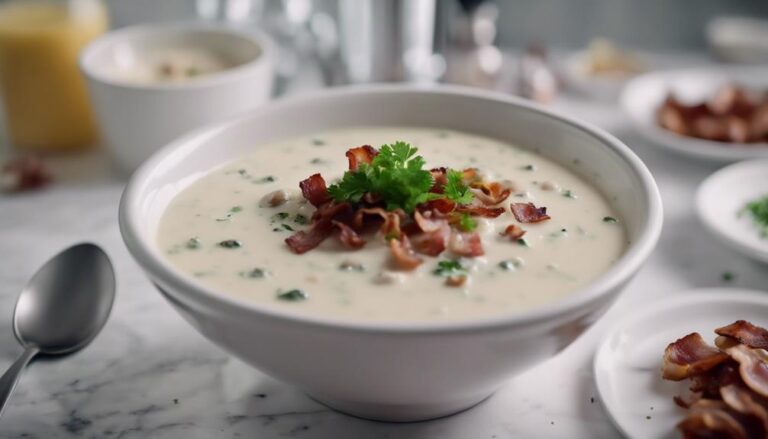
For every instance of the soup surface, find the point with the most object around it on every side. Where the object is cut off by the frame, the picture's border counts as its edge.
(177, 64)
(220, 231)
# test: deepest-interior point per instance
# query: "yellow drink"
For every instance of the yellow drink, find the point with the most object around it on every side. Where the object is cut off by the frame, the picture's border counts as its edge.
(44, 97)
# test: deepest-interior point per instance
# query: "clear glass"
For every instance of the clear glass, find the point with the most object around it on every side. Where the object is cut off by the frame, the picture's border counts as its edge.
(44, 99)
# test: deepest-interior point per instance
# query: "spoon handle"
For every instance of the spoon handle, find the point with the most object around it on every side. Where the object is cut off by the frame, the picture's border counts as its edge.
(11, 376)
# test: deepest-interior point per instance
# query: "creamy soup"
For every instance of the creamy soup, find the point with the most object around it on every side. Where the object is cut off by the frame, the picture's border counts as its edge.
(222, 231)
(175, 65)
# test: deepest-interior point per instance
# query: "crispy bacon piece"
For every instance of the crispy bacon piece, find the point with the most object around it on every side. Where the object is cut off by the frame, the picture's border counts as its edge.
(689, 356)
(752, 368)
(466, 244)
(471, 176)
(529, 213)
(348, 237)
(427, 221)
(709, 419)
(487, 212)
(22, 174)
(491, 194)
(432, 243)
(441, 205)
(741, 400)
(403, 254)
(455, 281)
(392, 219)
(322, 227)
(440, 179)
(514, 232)
(314, 190)
(361, 154)
(304, 241)
(746, 333)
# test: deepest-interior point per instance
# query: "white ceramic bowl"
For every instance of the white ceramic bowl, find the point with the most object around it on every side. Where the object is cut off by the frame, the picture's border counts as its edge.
(643, 96)
(137, 118)
(393, 371)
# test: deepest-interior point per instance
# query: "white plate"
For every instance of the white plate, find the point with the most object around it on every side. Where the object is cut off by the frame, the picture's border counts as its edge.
(627, 366)
(643, 95)
(723, 195)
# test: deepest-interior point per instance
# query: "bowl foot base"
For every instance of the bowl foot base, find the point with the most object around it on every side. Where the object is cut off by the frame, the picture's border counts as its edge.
(399, 412)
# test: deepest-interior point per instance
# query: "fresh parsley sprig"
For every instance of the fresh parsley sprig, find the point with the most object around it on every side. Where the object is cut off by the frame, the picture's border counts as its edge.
(398, 177)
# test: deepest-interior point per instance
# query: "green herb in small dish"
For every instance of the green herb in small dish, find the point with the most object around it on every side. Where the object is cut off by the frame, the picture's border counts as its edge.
(758, 210)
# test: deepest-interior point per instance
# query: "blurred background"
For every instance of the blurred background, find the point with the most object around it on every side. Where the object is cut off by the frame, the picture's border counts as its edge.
(551, 51)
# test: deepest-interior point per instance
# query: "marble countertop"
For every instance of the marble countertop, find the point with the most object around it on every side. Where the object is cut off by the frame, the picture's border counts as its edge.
(150, 375)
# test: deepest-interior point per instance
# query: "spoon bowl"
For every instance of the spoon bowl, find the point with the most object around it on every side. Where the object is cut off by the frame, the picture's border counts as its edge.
(67, 302)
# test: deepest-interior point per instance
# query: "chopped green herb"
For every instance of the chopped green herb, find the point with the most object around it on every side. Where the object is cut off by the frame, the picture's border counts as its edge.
(758, 210)
(242, 172)
(523, 242)
(449, 268)
(467, 223)
(317, 161)
(230, 243)
(569, 194)
(728, 276)
(294, 295)
(267, 179)
(318, 142)
(508, 265)
(455, 189)
(279, 216)
(300, 219)
(351, 266)
(277, 229)
(395, 174)
(256, 273)
(287, 227)
(236, 209)
(529, 168)
(193, 243)
(609, 219)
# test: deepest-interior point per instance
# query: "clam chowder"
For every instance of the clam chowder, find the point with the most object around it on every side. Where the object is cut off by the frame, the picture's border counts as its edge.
(482, 228)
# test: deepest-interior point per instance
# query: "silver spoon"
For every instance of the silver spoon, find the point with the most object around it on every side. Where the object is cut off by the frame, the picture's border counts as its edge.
(62, 308)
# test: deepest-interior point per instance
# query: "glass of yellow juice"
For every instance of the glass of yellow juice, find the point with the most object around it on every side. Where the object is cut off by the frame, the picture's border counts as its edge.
(43, 95)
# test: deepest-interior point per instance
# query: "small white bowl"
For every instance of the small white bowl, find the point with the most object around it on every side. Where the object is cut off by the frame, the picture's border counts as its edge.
(390, 370)
(643, 96)
(627, 365)
(137, 118)
(722, 197)
(739, 39)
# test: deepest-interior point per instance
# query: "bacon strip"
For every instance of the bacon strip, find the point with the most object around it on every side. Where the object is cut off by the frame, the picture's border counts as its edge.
(348, 237)
(741, 400)
(314, 190)
(529, 213)
(304, 241)
(491, 194)
(466, 244)
(427, 222)
(752, 368)
(391, 226)
(361, 154)
(403, 254)
(746, 333)
(432, 243)
(711, 419)
(322, 227)
(487, 212)
(441, 205)
(689, 356)
(514, 232)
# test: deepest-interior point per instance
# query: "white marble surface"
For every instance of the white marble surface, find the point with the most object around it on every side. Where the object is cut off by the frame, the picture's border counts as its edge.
(150, 375)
